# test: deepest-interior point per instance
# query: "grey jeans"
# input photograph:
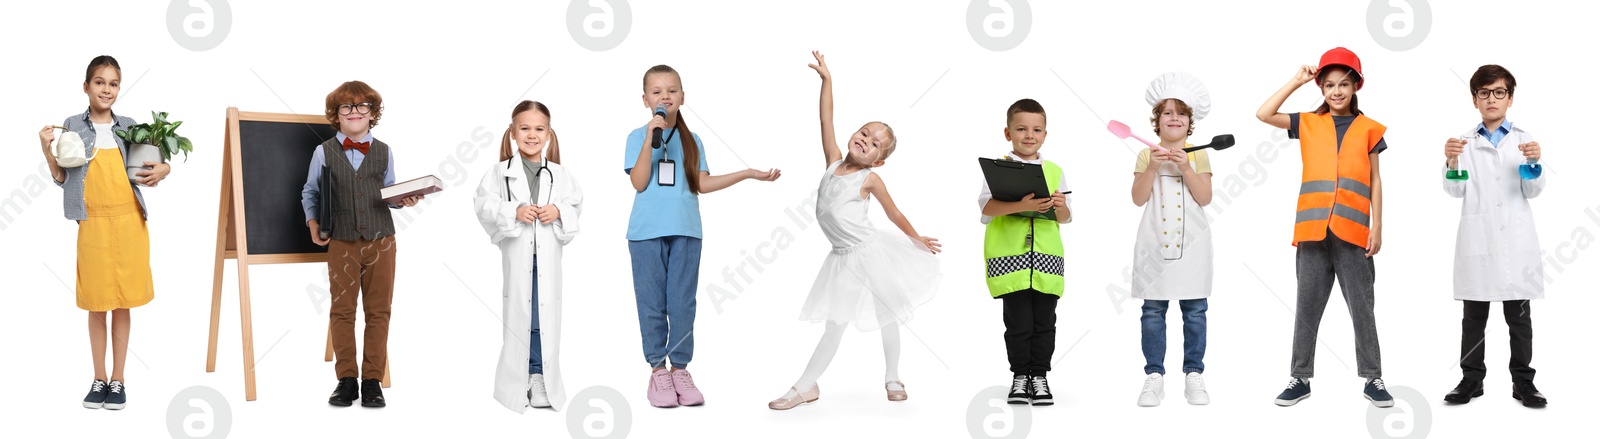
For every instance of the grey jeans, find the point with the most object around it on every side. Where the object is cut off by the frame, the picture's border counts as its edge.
(1317, 264)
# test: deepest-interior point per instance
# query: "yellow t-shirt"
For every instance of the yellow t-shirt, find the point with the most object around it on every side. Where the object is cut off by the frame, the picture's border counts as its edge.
(1198, 159)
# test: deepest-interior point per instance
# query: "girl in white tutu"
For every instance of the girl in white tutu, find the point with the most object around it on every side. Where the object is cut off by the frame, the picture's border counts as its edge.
(872, 278)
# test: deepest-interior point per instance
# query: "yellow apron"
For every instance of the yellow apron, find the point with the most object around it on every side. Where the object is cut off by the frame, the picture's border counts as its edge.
(113, 244)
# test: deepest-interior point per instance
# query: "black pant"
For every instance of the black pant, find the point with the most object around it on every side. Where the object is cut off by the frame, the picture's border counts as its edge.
(1030, 318)
(1519, 320)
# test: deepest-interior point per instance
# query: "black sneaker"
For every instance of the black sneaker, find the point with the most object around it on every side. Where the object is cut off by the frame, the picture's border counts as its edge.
(97, 395)
(1464, 392)
(1021, 390)
(372, 394)
(345, 393)
(1376, 392)
(116, 395)
(1297, 390)
(1528, 394)
(1041, 390)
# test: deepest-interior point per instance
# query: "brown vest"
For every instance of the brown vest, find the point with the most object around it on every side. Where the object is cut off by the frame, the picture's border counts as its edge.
(359, 212)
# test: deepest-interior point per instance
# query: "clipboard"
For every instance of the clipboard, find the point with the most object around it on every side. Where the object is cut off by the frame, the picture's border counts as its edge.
(1011, 180)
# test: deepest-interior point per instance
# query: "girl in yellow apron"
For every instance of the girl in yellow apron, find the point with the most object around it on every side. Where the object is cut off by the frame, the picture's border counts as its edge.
(113, 273)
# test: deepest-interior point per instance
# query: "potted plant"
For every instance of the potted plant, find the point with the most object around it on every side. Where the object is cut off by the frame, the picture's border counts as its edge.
(156, 141)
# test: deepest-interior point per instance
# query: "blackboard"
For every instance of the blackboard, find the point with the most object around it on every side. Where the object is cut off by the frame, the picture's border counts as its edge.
(276, 157)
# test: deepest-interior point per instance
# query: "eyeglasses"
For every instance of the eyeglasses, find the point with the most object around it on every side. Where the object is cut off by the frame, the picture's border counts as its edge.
(1499, 93)
(363, 108)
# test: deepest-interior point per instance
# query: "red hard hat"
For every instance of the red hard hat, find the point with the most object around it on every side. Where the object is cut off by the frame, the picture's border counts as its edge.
(1340, 56)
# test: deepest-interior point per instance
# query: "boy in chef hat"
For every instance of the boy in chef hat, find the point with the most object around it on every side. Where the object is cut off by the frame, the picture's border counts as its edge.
(1172, 247)
(1497, 249)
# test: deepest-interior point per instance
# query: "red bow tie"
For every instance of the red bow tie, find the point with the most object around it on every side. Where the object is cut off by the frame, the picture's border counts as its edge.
(358, 146)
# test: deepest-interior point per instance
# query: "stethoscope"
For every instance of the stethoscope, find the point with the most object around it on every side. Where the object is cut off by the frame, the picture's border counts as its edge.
(542, 171)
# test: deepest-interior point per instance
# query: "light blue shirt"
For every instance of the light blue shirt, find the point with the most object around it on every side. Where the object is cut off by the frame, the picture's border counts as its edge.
(661, 211)
(1498, 134)
(310, 193)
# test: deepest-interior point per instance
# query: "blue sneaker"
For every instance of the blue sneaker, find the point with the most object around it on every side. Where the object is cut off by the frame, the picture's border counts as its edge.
(1376, 392)
(116, 395)
(97, 395)
(1297, 390)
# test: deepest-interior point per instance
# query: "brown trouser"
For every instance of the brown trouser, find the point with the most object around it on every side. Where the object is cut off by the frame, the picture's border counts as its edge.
(368, 265)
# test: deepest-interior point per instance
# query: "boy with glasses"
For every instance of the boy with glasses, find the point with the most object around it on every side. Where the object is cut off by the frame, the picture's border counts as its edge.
(361, 246)
(1497, 250)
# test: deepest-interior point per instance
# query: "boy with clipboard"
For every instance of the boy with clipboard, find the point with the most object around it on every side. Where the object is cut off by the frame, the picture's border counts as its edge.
(1024, 201)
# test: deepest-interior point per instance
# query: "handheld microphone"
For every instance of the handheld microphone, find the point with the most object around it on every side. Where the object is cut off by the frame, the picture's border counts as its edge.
(661, 110)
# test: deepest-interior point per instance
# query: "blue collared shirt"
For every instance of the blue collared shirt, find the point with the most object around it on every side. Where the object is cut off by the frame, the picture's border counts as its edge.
(310, 195)
(1498, 134)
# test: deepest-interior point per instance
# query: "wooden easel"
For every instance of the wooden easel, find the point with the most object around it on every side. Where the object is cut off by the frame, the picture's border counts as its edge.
(232, 244)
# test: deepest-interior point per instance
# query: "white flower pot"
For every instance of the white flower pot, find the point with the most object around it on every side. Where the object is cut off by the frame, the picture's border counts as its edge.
(137, 155)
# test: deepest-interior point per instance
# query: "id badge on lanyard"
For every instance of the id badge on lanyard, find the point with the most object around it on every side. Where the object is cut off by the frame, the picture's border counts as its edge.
(666, 172)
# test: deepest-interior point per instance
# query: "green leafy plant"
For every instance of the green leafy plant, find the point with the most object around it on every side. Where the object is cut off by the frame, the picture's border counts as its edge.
(162, 134)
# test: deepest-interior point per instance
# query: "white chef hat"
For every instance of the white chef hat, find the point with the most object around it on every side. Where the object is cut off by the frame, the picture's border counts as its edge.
(1181, 86)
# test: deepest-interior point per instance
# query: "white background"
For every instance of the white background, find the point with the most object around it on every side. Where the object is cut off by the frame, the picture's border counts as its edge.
(450, 72)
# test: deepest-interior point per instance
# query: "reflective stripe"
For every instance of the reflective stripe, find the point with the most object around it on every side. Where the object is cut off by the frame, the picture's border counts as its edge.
(1350, 213)
(1316, 186)
(1354, 186)
(1041, 262)
(1317, 214)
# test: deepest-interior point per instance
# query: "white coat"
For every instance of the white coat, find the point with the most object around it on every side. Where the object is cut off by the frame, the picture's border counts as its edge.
(1172, 248)
(1497, 249)
(518, 243)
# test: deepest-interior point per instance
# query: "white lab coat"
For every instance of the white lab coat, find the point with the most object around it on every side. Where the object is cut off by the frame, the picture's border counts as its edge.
(1172, 247)
(1497, 250)
(517, 243)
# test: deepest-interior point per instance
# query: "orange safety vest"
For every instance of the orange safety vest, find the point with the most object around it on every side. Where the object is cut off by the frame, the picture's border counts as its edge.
(1336, 182)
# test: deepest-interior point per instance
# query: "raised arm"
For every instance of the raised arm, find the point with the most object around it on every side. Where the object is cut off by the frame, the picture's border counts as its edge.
(1269, 110)
(830, 143)
(875, 186)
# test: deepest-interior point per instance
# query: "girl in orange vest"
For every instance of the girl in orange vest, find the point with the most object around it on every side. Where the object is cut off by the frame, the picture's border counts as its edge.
(1339, 222)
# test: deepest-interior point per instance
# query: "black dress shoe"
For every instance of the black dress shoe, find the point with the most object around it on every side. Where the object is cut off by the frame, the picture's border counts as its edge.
(372, 393)
(1464, 392)
(1528, 394)
(345, 393)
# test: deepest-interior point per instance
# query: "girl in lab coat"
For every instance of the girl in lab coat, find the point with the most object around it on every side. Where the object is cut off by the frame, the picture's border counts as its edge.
(529, 205)
(1497, 249)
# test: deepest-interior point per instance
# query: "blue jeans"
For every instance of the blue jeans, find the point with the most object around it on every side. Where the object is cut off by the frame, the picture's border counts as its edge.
(1153, 325)
(666, 273)
(536, 347)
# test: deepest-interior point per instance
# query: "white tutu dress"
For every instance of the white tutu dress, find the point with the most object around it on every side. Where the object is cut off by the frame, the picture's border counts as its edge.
(872, 278)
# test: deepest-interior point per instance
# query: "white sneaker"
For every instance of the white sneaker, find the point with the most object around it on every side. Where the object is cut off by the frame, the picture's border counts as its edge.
(1154, 391)
(536, 393)
(1194, 388)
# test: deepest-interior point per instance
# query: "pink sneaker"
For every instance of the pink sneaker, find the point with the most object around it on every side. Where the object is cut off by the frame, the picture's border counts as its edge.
(661, 393)
(687, 394)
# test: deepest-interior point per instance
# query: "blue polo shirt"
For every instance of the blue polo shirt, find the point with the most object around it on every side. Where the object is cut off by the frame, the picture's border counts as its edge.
(661, 211)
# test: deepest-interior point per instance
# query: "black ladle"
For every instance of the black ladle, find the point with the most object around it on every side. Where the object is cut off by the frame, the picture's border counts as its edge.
(1218, 143)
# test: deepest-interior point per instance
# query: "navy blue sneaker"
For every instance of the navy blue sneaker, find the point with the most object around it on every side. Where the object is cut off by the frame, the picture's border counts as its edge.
(97, 395)
(1297, 390)
(1376, 393)
(116, 395)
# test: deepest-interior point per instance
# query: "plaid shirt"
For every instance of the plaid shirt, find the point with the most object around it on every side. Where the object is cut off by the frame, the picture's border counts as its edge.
(72, 201)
